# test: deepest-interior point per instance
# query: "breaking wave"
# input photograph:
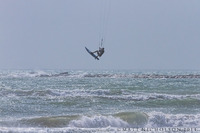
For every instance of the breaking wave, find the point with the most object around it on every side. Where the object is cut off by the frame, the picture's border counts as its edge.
(120, 94)
(124, 119)
(118, 120)
(81, 74)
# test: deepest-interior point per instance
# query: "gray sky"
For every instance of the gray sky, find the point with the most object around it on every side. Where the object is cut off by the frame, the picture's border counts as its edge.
(141, 34)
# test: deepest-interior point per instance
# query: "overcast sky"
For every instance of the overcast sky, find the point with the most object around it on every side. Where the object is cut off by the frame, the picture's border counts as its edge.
(141, 34)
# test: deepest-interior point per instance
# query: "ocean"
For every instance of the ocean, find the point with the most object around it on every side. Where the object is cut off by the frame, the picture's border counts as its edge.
(40, 101)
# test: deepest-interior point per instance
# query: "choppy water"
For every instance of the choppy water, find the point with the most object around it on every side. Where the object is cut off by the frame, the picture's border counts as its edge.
(98, 101)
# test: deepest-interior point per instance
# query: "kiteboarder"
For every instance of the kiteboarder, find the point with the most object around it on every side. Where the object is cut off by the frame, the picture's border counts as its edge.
(99, 52)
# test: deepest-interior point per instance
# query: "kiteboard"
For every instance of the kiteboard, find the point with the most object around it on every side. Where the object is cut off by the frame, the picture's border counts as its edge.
(92, 54)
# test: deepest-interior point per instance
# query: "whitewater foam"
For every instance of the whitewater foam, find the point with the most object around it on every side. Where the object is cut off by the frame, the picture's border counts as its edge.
(98, 122)
(159, 119)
